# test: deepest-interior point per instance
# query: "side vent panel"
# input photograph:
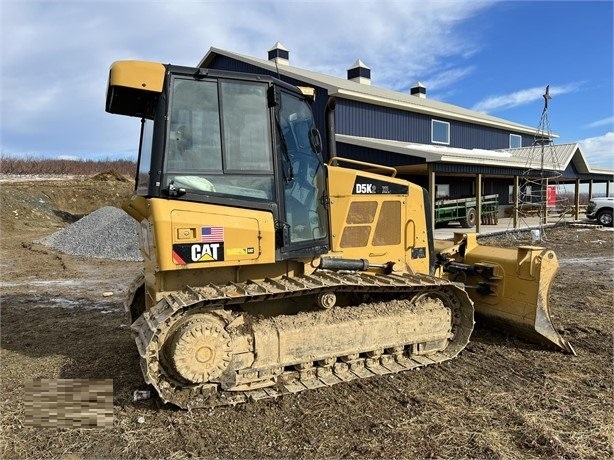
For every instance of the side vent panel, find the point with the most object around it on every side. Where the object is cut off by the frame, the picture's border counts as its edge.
(387, 219)
(388, 229)
(355, 237)
(361, 212)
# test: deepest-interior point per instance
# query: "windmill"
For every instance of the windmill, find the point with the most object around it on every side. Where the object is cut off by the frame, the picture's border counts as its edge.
(540, 191)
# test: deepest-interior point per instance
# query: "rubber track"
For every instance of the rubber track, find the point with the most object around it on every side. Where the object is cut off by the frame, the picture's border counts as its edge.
(152, 325)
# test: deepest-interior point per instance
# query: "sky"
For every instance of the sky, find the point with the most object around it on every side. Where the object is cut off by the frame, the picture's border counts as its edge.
(495, 57)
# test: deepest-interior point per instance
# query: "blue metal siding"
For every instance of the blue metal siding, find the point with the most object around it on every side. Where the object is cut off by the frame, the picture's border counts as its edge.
(462, 186)
(527, 141)
(381, 157)
(571, 173)
(457, 168)
(360, 119)
(499, 187)
(232, 65)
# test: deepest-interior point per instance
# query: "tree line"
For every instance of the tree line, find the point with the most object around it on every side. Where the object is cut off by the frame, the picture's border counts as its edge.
(49, 166)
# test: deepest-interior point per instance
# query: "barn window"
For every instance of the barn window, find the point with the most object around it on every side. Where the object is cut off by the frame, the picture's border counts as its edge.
(440, 132)
(515, 141)
(442, 190)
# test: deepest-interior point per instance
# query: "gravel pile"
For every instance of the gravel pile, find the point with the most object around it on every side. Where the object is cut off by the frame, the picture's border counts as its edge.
(107, 233)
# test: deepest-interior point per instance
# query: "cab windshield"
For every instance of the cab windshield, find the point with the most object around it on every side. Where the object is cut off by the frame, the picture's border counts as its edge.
(225, 151)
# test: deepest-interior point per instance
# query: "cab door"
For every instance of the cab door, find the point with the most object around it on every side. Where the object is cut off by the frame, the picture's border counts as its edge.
(303, 180)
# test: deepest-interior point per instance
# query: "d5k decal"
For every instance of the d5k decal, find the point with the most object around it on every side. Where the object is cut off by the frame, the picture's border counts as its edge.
(369, 186)
(197, 252)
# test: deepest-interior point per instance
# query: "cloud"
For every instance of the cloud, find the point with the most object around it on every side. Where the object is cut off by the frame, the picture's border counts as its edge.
(25, 114)
(598, 150)
(54, 71)
(521, 97)
(445, 79)
(609, 122)
(402, 42)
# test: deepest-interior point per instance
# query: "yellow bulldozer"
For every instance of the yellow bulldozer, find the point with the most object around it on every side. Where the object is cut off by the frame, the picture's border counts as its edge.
(269, 271)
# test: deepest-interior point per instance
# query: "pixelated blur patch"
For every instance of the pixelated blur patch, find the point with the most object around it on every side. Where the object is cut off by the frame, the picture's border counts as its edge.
(69, 403)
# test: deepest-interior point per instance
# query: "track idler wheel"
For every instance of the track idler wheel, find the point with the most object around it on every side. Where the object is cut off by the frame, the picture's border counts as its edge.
(200, 349)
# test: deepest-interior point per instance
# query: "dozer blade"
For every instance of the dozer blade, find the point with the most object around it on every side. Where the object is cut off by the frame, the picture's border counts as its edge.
(509, 287)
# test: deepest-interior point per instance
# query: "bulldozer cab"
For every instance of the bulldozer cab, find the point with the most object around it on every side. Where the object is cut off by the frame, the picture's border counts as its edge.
(230, 139)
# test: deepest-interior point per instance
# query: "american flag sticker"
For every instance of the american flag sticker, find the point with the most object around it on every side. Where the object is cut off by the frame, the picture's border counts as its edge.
(212, 234)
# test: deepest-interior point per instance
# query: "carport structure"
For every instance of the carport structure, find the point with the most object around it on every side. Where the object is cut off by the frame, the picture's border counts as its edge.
(479, 171)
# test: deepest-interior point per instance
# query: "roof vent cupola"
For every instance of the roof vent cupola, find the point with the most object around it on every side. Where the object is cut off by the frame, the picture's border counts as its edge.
(418, 90)
(279, 54)
(360, 73)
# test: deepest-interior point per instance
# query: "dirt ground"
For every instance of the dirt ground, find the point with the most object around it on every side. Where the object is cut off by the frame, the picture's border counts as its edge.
(501, 398)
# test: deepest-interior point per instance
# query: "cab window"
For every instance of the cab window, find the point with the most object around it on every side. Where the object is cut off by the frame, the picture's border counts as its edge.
(218, 139)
